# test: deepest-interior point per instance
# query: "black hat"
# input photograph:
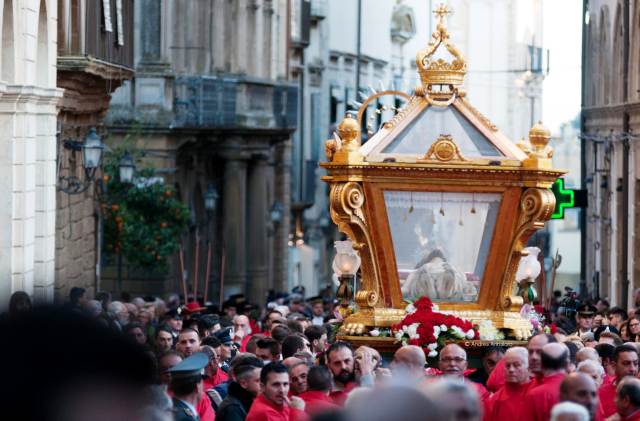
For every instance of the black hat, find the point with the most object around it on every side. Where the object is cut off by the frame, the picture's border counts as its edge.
(316, 300)
(587, 310)
(174, 313)
(224, 335)
(604, 328)
(192, 366)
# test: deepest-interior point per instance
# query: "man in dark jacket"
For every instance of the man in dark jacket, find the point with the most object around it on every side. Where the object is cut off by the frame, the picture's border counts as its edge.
(242, 391)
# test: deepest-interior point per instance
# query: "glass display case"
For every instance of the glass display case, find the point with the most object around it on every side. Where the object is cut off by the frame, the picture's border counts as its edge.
(438, 202)
(441, 242)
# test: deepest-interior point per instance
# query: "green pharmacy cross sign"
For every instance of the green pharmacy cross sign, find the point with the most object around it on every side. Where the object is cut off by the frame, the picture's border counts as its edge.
(565, 198)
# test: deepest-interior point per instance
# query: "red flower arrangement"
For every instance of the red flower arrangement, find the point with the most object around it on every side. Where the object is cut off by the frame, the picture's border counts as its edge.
(426, 327)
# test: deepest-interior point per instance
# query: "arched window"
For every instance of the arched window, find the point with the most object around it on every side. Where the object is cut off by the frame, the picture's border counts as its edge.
(8, 58)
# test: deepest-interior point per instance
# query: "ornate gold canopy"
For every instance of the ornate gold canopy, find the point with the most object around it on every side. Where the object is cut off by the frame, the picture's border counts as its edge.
(439, 201)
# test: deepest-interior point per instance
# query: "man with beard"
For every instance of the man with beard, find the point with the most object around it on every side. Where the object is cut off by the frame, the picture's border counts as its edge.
(272, 404)
(581, 389)
(163, 341)
(188, 342)
(241, 393)
(341, 363)
(625, 362)
(505, 403)
(241, 331)
(541, 398)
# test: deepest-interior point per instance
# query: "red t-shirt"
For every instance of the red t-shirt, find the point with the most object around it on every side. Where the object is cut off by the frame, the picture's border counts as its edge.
(607, 399)
(506, 403)
(340, 396)
(540, 399)
(211, 382)
(245, 341)
(263, 409)
(316, 402)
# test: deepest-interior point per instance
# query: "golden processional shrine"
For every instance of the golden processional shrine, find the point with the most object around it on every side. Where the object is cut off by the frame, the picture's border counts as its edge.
(437, 203)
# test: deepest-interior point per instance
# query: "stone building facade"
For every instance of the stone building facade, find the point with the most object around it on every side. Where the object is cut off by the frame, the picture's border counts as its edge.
(94, 57)
(611, 166)
(214, 108)
(28, 100)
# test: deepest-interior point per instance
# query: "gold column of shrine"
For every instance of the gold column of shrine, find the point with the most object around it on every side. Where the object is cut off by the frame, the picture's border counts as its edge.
(438, 201)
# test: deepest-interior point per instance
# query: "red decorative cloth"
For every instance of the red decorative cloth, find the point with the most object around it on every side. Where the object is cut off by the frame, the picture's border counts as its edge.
(540, 399)
(316, 402)
(263, 409)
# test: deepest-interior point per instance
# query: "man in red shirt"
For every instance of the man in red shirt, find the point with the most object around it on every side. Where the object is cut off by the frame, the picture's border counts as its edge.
(298, 373)
(241, 331)
(497, 377)
(540, 399)
(272, 404)
(581, 389)
(341, 363)
(453, 363)
(316, 398)
(214, 375)
(505, 403)
(409, 361)
(628, 399)
(625, 361)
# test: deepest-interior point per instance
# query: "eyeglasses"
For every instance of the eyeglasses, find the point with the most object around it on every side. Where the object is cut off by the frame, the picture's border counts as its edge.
(453, 360)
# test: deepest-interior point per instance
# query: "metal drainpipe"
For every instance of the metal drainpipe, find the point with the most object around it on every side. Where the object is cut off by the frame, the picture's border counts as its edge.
(624, 296)
(583, 154)
(358, 48)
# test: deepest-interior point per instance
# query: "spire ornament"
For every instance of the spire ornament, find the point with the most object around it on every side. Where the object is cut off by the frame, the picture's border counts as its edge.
(447, 76)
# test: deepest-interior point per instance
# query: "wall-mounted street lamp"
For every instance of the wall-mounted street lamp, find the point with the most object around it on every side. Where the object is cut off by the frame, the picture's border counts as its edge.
(126, 168)
(92, 149)
(276, 213)
(210, 199)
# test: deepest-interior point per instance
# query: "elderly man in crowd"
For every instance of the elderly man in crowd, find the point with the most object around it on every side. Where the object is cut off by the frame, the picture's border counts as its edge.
(505, 404)
(497, 377)
(628, 399)
(453, 363)
(409, 361)
(625, 361)
(540, 398)
(569, 411)
(579, 388)
(298, 373)
(593, 370)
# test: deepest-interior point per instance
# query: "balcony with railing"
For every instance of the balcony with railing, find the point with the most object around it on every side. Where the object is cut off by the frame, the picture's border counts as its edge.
(233, 102)
(98, 33)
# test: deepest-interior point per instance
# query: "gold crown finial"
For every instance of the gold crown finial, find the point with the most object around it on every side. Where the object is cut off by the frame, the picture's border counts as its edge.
(438, 71)
(441, 12)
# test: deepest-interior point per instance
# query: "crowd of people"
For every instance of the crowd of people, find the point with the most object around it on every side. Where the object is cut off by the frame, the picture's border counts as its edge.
(283, 362)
